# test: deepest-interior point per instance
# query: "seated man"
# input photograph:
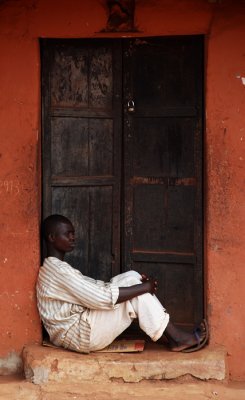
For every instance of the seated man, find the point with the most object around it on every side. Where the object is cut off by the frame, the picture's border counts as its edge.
(83, 314)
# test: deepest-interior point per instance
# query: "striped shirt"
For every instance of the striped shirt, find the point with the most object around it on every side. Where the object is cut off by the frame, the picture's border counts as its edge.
(64, 298)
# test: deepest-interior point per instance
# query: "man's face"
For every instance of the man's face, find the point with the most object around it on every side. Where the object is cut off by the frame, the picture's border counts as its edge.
(63, 239)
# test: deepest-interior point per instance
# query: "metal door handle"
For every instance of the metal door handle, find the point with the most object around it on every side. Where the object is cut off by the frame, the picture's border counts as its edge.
(131, 107)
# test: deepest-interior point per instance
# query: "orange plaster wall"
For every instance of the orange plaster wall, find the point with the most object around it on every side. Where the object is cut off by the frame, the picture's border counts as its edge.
(225, 189)
(21, 24)
(19, 184)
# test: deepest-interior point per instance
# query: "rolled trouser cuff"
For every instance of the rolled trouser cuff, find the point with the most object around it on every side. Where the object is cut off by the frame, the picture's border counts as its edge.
(163, 326)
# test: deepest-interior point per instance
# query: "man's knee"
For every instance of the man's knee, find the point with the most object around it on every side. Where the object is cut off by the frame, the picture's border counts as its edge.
(133, 274)
(132, 277)
(127, 278)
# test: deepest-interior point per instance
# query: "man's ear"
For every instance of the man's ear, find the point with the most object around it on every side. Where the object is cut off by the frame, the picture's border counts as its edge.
(51, 237)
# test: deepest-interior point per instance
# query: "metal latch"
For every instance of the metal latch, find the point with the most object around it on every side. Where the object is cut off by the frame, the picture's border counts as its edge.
(131, 107)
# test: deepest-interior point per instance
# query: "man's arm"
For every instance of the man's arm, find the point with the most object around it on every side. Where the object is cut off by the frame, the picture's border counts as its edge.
(128, 293)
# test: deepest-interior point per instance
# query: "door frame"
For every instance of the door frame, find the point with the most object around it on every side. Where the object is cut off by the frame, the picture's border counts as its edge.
(46, 161)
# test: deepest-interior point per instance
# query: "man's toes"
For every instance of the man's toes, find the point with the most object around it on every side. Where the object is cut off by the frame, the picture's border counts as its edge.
(201, 331)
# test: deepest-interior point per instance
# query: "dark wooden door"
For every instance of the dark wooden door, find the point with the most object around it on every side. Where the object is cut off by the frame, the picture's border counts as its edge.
(163, 82)
(82, 147)
(122, 138)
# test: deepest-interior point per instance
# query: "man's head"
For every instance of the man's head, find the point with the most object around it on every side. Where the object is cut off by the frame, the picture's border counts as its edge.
(59, 234)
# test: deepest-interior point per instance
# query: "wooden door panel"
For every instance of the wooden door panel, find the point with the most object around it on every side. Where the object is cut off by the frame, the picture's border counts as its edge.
(163, 172)
(150, 218)
(82, 76)
(81, 147)
(163, 214)
(101, 79)
(163, 72)
(68, 76)
(69, 146)
(101, 147)
(181, 218)
(168, 147)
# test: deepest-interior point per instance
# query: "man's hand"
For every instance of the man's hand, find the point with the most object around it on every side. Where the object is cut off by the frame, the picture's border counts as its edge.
(144, 278)
(152, 283)
(148, 285)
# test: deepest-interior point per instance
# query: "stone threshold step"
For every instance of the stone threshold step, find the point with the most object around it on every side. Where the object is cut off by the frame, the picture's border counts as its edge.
(46, 365)
(12, 388)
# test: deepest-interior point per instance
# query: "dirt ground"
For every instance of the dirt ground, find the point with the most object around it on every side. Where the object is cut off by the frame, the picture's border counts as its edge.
(16, 388)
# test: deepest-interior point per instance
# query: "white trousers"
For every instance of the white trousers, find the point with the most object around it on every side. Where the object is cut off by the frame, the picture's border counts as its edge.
(106, 325)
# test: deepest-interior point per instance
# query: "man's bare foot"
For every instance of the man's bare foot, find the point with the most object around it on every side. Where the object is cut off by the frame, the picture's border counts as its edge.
(180, 340)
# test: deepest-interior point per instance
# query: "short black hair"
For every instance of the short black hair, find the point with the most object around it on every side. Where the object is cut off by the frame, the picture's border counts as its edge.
(50, 223)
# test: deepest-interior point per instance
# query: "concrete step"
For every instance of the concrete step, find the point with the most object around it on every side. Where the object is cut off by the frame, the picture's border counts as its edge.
(46, 365)
(14, 388)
